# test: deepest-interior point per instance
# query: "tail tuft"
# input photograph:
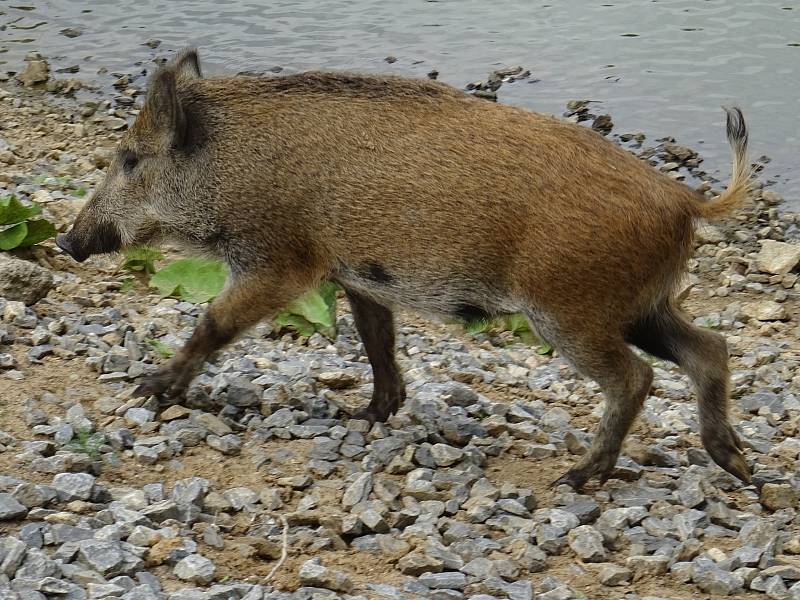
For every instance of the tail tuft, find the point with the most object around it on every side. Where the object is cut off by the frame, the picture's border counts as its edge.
(742, 178)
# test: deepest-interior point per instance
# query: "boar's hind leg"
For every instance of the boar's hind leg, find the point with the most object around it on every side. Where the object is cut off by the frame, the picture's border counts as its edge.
(625, 380)
(600, 354)
(242, 304)
(703, 355)
(375, 324)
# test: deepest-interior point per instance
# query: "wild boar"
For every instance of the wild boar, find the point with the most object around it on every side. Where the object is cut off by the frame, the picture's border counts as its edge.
(413, 193)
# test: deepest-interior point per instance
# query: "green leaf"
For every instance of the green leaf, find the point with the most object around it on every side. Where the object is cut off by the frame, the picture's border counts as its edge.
(142, 258)
(313, 311)
(195, 280)
(544, 348)
(38, 231)
(296, 322)
(12, 237)
(316, 308)
(516, 323)
(13, 211)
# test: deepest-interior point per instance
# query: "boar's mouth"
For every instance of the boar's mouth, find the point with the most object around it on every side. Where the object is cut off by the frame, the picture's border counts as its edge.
(104, 238)
(64, 242)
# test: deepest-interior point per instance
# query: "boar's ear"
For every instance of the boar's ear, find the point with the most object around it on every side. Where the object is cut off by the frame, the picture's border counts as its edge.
(164, 108)
(187, 64)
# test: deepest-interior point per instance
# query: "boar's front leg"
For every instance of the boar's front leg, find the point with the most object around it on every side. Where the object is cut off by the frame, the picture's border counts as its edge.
(242, 304)
(375, 324)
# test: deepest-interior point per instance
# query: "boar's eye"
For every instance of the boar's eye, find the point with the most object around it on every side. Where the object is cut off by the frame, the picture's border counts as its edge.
(129, 162)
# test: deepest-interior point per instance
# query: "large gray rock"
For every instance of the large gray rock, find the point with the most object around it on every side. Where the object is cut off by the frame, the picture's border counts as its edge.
(24, 281)
(12, 552)
(358, 491)
(776, 496)
(73, 486)
(10, 508)
(612, 574)
(587, 543)
(449, 580)
(195, 568)
(765, 310)
(314, 573)
(778, 258)
(712, 579)
(104, 557)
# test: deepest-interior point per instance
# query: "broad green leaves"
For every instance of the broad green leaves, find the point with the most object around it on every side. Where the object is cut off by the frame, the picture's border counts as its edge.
(13, 236)
(192, 279)
(199, 280)
(13, 211)
(16, 228)
(313, 311)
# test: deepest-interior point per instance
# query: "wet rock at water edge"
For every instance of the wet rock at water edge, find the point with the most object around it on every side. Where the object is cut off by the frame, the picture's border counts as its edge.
(603, 124)
(36, 72)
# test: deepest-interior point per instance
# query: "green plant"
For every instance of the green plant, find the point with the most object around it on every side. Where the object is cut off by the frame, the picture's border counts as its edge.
(192, 279)
(87, 443)
(142, 259)
(313, 311)
(18, 229)
(516, 323)
(160, 348)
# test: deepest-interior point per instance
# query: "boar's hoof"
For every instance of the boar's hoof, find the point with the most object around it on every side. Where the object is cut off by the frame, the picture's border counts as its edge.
(159, 384)
(574, 478)
(736, 466)
(373, 415)
(724, 447)
(577, 477)
(383, 405)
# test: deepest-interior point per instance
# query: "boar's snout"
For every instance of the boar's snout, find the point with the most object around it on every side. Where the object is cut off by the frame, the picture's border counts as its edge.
(80, 246)
(64, 241)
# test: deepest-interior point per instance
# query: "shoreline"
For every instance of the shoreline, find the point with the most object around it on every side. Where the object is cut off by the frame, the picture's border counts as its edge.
(454, 486)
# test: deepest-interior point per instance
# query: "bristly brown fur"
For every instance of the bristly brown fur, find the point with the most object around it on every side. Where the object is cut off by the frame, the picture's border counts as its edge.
(383, 87)
(413, 193)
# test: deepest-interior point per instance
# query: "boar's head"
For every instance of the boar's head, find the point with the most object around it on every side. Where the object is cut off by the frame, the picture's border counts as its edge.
(150, 177)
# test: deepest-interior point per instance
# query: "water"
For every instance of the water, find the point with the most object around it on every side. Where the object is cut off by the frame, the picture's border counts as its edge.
(662, 67)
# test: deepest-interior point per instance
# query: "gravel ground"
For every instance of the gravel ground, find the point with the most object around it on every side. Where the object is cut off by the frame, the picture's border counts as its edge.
(262, 487)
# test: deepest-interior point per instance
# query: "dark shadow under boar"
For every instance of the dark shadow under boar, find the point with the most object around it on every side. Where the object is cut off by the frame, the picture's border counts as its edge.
(413, 193)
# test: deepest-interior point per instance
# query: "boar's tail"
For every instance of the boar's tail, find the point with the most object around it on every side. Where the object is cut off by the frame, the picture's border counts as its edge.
(742, 180)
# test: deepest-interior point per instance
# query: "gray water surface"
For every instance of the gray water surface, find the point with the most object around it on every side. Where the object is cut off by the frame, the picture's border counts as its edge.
(662, 67)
